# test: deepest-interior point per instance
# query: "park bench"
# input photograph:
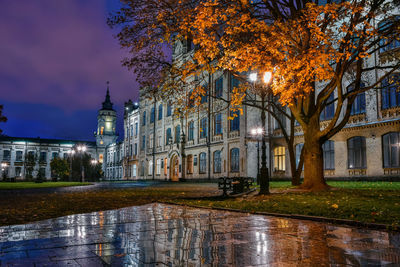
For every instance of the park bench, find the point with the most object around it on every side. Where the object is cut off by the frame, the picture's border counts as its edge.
(235, 185)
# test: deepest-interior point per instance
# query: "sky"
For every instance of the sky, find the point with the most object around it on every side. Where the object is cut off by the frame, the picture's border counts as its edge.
(55, 59)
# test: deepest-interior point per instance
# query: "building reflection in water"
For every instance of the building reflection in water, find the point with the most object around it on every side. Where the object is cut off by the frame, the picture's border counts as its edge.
(179, 236)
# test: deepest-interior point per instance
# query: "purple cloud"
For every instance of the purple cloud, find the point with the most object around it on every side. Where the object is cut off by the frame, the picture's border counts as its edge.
(60, 53)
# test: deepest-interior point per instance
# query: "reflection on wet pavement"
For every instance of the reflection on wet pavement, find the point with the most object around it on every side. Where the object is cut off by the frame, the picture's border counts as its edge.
(158, 234)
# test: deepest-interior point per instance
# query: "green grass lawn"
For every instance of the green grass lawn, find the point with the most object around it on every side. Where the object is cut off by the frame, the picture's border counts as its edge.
(377, 202)
(24, 185)
(347, 185)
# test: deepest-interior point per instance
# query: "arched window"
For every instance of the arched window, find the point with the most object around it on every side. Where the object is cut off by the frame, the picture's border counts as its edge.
(219, 83)
(191, 131)
(203, 162)
(177, 134)
(328, 149)
(391, 150)
(235, 160)
(160, 111)
(168, 136)
(190, 164)
(279, 158)
(356, 155)
(169, 110)
(217, 161)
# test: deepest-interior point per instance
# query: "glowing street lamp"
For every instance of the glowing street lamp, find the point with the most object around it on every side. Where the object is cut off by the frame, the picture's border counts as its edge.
(264, 177)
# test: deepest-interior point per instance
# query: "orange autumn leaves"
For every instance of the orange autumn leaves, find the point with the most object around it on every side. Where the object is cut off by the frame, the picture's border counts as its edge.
(300, 51)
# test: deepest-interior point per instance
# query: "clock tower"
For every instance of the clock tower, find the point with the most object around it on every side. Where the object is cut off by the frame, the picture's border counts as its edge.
(106, 123)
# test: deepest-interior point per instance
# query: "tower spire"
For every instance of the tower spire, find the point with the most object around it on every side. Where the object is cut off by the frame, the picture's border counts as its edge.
(107, 104)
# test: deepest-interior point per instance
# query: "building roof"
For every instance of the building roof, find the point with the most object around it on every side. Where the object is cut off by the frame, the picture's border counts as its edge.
(4, 138)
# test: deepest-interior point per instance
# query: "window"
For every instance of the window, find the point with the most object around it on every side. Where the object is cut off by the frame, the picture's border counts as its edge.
(152, 115)
(390, 42)
(217, 161)
(358, 106)
(6, 155)
(165, 167)
(101, 130)
(204, 98)
(299, 147)
(168, 136)
(160, 111)
(150, 171)
(158, 167)
(54, 155)
(190, 164)
(177, 134)
(142, 168)
(234, 82)
(218, 123)
(131, 130)
(191, 131)
(134, 170)
(130, 150)
(135, 149)
(144, 118)
(159, 140)
(43, 156)
(329, 110)
(235, 160)
(391, 91)
(18, 172)
(281, 117)
(279, 158)
(235, 122)
(219, 87)
(356, 153)
(203, 127)
(169, 110)
(203, 162)
(328, 149)
(391, 150)
(143, 142)
(151, 141)
(136, 128)
(18, 156)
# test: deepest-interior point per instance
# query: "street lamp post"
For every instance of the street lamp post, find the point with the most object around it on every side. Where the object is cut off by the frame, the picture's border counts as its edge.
(71, 154)
(81, 150)
(264, 175)
(256, 132)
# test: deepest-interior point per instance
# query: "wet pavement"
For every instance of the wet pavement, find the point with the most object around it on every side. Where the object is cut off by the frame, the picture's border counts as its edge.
(168, 235)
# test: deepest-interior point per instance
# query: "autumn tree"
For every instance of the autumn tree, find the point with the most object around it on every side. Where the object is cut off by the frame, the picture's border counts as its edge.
(314, 51)
(2, 117)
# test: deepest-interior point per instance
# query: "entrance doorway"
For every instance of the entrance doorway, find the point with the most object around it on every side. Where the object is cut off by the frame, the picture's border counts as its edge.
(174, 168)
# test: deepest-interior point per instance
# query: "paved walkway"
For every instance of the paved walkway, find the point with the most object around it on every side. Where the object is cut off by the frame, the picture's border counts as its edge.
(167, 235)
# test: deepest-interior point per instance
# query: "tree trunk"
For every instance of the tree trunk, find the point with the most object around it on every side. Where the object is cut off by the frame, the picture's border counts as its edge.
(293, 167)
(313, 161)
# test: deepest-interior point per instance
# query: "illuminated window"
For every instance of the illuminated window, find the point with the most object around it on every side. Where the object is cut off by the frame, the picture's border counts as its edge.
(279, 159)
(101, 142)
(101, 130)
(101, 158)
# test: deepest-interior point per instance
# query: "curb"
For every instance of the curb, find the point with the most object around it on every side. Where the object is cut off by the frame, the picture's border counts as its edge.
(358, 224)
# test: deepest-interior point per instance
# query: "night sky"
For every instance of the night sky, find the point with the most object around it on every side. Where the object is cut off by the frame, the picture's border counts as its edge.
(55, 59)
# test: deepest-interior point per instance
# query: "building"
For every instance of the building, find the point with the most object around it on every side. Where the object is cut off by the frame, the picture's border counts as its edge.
(131, 140)
(14, 151)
